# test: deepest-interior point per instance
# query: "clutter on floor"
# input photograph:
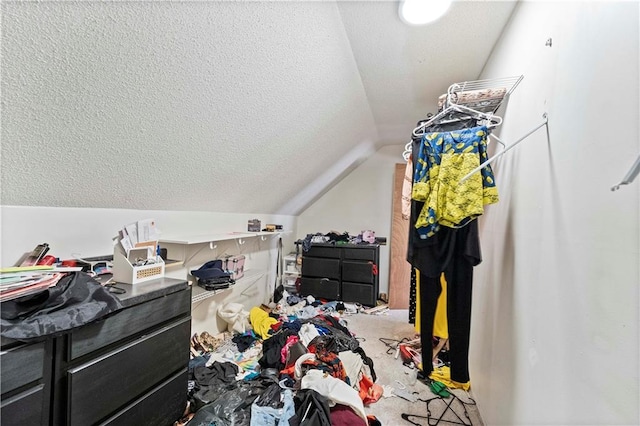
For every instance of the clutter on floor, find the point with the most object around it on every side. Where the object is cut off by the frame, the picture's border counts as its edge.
(293, 363)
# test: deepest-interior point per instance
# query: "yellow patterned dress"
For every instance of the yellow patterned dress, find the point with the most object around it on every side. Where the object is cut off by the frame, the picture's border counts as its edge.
(443, 159)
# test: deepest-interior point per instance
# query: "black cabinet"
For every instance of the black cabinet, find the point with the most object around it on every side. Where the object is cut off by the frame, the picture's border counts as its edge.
(127, 368)
(341, 272)
(25, 382)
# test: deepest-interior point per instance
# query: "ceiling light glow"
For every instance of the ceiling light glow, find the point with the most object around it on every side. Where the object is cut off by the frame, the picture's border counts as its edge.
(420, 12)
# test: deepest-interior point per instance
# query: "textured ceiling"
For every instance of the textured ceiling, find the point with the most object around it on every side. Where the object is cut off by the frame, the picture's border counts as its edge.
(217, 106)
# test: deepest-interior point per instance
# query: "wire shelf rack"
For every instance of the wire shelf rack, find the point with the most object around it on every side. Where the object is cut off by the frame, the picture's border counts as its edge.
(482, 95)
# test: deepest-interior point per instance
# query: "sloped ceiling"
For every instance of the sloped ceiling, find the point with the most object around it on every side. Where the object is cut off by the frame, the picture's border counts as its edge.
(217, 106)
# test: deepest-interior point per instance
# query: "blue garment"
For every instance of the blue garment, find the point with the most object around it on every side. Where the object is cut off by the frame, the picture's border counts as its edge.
(329, 306)
(268, 416)
(442, 160)
(294, 324)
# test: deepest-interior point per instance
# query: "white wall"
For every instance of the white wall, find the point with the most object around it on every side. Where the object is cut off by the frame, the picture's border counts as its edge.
(556, 299)
(360, 201)
(76, 232)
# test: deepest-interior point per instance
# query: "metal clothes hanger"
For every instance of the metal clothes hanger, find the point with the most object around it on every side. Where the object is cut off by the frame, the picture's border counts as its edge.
(491, 120)
(448, 402)
(407, 151)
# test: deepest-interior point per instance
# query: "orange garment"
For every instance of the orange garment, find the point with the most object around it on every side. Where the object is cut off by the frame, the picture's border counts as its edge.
(369, 392)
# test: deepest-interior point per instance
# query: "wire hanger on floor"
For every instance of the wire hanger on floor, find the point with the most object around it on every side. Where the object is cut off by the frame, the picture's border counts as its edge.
(448, 407)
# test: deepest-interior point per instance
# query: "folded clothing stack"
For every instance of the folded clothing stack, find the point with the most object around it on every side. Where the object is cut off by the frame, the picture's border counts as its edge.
(484, 99)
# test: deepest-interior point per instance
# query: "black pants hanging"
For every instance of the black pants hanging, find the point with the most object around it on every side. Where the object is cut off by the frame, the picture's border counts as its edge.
(459, 276)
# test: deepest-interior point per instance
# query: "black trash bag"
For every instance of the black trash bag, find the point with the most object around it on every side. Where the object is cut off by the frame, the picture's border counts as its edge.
(231, 408)
(326, 343)
(211, 382)
(312, 409)
(77, 299)
(271, 397)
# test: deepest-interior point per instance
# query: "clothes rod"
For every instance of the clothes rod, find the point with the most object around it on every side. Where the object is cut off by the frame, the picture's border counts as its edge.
(630, 176)
(501, 153)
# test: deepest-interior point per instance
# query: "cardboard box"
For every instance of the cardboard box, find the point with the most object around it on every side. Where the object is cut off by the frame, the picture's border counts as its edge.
(254, 225)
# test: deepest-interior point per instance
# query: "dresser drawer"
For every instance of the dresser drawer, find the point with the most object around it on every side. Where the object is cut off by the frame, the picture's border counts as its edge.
(161, 406)
(323, 251)
(361, 272)
(320, 288)
(128, 322)
(21, 365)
(25, 408)
(110, 382)
(361, 293)
(354, 253)
(321, 268)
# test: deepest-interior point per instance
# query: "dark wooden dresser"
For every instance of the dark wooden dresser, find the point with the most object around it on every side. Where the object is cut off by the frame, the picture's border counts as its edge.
(129, 368)
(347, 272)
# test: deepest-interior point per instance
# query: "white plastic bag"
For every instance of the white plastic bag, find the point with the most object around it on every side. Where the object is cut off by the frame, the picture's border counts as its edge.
(236, 317)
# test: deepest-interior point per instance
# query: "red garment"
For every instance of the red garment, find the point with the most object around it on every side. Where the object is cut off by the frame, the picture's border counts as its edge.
(285, 349)
(342, 415)
(275, 327)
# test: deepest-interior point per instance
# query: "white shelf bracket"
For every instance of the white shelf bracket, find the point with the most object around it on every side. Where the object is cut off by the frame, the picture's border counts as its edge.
(630, 176)
(545, 122)
(212, 245)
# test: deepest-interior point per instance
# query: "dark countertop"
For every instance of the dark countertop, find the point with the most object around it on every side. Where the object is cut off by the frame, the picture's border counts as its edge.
(134, 295)
(142, 292)
(346, 245)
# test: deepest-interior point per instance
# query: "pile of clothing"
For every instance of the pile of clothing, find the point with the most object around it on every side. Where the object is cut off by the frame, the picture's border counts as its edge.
(282, 370)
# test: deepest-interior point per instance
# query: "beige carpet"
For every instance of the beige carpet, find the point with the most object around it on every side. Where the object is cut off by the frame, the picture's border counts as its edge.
(392, 374)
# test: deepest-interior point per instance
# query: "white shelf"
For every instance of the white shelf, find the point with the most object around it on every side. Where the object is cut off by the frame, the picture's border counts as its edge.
(192, 245)
(199, 294)
(208, 238)
(291, 260)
